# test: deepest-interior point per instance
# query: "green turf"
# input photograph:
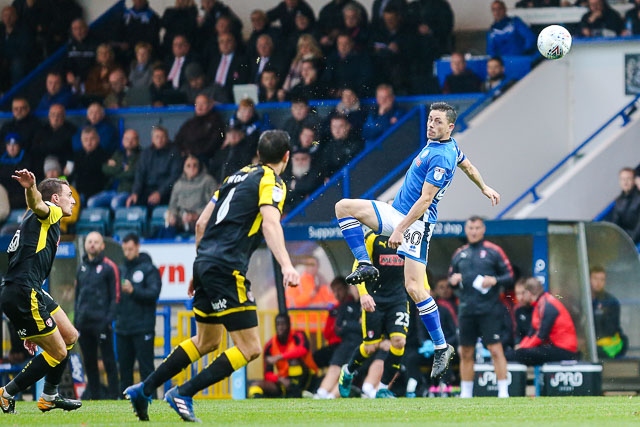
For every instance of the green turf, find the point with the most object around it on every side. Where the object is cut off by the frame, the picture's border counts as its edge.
(517, 412)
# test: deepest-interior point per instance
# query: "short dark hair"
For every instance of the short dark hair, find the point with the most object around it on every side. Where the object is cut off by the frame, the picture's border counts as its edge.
(50, 186)
(474, 218)
(450, 112)
(597, 269)
(273, 145)
(131, 237)
(498, 59)
(285, 317)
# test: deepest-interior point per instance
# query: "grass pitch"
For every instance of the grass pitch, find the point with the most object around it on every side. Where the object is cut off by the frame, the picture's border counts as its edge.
(520, 411)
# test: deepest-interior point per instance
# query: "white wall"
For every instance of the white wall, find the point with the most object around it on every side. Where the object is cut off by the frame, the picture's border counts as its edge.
(537, 122)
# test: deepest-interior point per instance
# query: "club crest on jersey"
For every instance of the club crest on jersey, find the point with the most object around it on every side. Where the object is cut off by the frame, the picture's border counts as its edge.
(99, 269)
(370, 334)
(483, 253)
(49, 322)
(438, 173)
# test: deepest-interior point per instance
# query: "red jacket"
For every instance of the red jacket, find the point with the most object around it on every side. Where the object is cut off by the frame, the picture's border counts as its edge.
(551, 323)
(296, 347)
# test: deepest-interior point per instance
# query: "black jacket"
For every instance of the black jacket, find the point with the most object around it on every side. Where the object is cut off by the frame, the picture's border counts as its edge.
(626, 213)
(97, 292)
(136, 312)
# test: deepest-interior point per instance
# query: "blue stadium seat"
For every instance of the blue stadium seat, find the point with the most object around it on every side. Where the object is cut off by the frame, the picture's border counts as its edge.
(130, 220)
(94, 219)
(157, 220)
(13, 222)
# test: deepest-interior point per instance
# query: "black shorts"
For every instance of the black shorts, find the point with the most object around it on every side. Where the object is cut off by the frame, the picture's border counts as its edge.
(223, 296)
(486, 326)
(343, 352)
(386, 321)
(29, 310)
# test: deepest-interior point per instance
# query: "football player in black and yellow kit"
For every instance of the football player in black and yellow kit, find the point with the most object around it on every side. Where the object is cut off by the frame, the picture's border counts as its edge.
(246, 208)
(36, 316)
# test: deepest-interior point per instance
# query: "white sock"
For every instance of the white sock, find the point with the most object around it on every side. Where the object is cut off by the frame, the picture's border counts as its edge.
(466, 389)
(48, 397)
(503, 388)
(412, 384)
(5, 394)
(369, 390)
(322, 393)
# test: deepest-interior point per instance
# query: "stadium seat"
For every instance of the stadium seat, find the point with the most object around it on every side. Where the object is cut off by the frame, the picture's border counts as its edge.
(157, 220)
(130, 220)
(94, 219)
(13, 222)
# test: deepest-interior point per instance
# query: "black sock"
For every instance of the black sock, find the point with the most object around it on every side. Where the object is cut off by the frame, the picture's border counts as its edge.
(32, 372)
(391, 367)
(220, 369)
(171, 366)
(358, 358)
(54, 376)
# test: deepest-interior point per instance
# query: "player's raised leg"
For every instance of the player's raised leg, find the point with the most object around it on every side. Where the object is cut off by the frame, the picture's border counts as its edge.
(351, 214)
(415, 283)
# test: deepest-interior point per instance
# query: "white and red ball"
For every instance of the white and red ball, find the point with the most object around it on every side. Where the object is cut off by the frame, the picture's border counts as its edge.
(554, 42)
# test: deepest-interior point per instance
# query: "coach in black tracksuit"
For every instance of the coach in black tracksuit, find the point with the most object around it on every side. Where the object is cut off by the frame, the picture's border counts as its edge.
(479, 269)
(136, 311)
(97, 290)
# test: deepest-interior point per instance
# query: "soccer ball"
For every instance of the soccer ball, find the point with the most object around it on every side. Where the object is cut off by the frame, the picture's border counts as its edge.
(554, 42)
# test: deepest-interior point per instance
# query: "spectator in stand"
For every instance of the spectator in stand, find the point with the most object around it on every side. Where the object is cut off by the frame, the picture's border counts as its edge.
(96, 85)
(552, 337)
(392, 49)
(355, 24)
(340, 148)
(201, 135)
(53, 138)
(269, 82)
(378, 7)
(57, 92)
(386, 114)
(190, 194)
(301, 114)
(159, 167)
(140, 69)
(285, 12)
(161, 91)
(309, 142)
(435, 18)
(213, 11)
(307, 48)
(96, 118)
(81, 55)
(16, 49)
(537, 3)
(136, 311)
(313, 290)
(177, 61)
(632, 20)
(266, 56)
(260, 25)
(626, 211)
(303, 180)
(288, 364)
(240, 142)
(118, 96)
(211, 49)
(197, 85)
(87, 175)
(53, 169)
(610, 339)
(229, 67)
(601, 20)
(23, 122)
(310, 87)
(331, 20)
(32, 15)
(97, 287)
(480, 269)
(59, 16)
(303, 24)
(14, 158)
(342, 332)
(461, 79)
(120, 172)
(495, 75)
(139, 23)
(179, 19)
(349, 106)
(421, 78)
(508, 35)
(348, 68)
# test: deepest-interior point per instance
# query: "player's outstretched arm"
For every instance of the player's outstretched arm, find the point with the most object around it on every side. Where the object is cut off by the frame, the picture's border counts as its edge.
(273, 234)
(474, 175)
(34, 199)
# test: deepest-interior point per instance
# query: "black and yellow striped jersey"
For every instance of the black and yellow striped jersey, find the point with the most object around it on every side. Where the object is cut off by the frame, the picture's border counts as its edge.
(33, 248)
(234, 230)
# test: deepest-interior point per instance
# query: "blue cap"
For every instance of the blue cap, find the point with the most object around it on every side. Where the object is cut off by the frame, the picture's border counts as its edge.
(12, 138)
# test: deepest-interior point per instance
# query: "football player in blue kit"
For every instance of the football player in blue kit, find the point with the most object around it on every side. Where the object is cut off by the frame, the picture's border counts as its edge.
(410, 220)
